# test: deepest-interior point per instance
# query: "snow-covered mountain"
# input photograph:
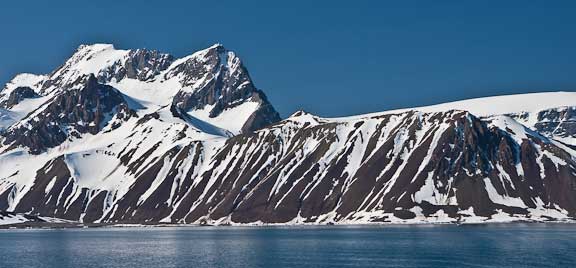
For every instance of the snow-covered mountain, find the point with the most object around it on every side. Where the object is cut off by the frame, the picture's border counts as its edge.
(139, 136)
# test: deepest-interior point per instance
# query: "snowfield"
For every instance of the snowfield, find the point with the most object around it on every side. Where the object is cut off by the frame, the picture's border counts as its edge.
(496, 105)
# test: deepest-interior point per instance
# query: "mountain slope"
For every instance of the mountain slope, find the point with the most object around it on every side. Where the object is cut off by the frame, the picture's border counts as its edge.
(138, 136)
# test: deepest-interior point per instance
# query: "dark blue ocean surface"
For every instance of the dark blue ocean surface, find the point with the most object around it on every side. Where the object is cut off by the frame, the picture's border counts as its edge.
(511, 245)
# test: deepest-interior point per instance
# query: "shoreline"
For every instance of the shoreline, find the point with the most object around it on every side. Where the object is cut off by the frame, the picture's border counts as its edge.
(75, 225)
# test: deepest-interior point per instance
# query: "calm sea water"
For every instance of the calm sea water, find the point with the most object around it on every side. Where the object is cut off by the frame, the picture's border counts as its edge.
(517, 245)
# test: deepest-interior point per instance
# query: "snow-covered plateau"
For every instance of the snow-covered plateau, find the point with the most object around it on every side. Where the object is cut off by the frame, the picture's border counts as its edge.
(141, 137)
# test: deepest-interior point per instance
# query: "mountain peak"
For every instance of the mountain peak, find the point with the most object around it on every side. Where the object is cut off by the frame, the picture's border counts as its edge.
(217, 46)
(211, 85)
(96, 47)
(215, 83)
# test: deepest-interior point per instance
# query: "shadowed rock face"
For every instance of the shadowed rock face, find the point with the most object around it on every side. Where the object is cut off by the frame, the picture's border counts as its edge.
(51, 180)
(86, 107)
(17, 95)
(227, 85)
(264, 116)
(141, 64)
(559, 122)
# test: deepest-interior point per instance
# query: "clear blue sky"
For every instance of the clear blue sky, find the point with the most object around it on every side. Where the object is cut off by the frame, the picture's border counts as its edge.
(330, 59)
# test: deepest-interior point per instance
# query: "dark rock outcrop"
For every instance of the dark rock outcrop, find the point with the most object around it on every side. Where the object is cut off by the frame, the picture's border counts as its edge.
(17, 95)
(223, 82)
(85, 107)
(560, 122)
(141, 64)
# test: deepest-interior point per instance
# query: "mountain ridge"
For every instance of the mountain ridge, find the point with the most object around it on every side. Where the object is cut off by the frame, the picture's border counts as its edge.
(138, 136)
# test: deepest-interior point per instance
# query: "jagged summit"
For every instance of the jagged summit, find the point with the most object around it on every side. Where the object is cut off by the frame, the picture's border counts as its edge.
(211, 86)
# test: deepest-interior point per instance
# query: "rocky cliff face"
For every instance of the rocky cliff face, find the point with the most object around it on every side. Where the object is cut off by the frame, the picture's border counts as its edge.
(85, 107)
(140, 64)
(217, 80)
(139, 136)
(559, 123)
(18, 95)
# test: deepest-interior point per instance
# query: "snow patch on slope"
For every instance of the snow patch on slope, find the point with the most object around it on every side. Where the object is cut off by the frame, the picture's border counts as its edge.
(230, 119)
